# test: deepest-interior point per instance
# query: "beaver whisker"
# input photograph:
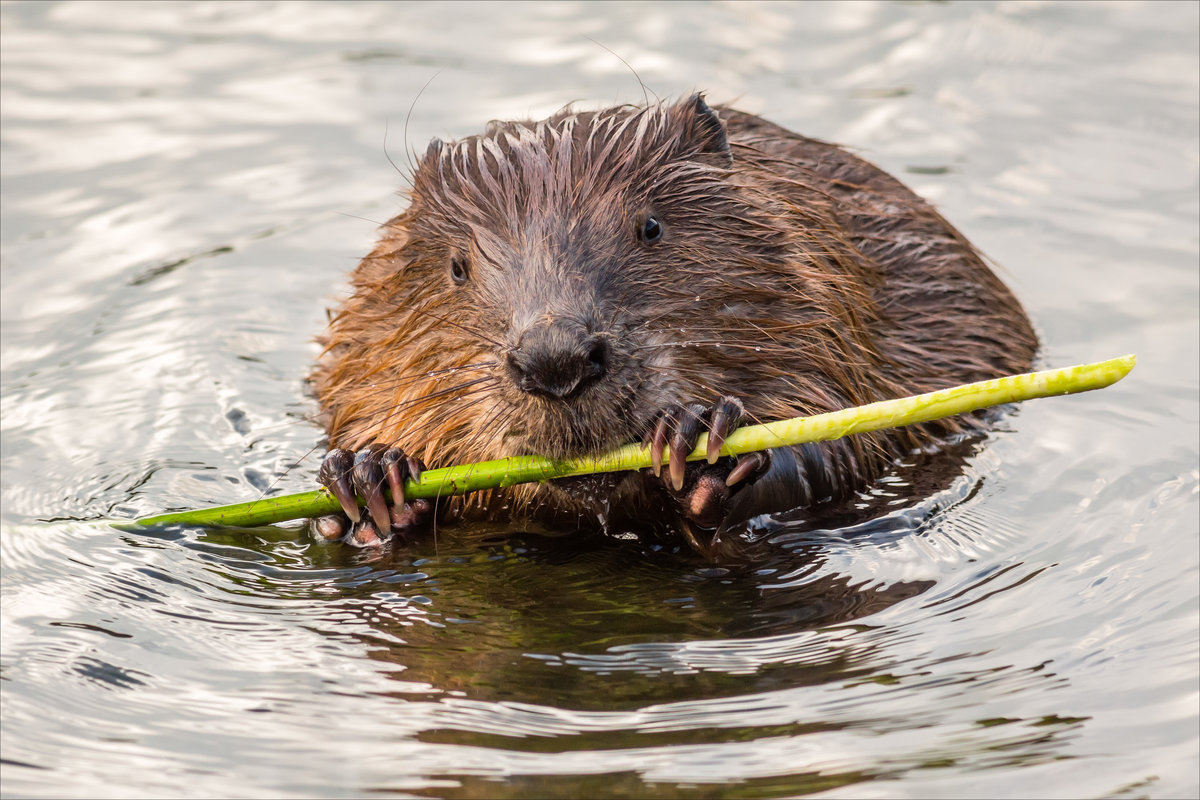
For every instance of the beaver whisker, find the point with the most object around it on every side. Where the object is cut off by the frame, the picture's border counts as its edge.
(734, 324)
(458, 390)
(428, 376)
(456, 325)
(443, 392)
(446, 412)
(715, 343)
(406, 380)
(501, 414)
(442, 415)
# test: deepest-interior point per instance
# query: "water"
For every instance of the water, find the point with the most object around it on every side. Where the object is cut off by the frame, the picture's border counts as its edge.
(185, 187)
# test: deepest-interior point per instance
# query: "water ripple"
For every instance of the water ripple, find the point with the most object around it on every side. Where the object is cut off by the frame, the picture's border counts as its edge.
(185, 188)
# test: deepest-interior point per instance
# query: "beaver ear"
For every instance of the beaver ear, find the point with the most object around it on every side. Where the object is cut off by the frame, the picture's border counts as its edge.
(706, 131)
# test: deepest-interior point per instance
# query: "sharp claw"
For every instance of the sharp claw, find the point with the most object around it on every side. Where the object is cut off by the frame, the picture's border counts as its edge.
(391, 461)
(378, 508)
(368, 480)
(345, 495)
(687, 431)
(657, 444)
(415, 468)
(726, 416)
(335, 476)
(738, 473)
(677, 475)
(678, 464)
(716, 436)
(747, 465)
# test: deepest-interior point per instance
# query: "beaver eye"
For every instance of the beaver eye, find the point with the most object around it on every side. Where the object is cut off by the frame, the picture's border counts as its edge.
(458, 270)
(650, 231)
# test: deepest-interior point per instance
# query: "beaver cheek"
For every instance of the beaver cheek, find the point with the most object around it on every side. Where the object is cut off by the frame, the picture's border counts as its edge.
(705, 504)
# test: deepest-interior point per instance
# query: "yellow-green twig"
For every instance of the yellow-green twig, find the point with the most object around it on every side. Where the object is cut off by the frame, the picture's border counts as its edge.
(822, 427)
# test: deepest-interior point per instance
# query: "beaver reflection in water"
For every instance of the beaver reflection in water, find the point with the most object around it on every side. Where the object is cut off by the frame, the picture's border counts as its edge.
(566, 286)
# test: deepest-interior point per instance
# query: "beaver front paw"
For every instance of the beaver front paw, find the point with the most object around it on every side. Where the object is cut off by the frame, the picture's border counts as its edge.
(702, 489)
(346, 474)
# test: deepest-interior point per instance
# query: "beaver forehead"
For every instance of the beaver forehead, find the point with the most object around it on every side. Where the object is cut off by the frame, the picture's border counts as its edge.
(557, 173)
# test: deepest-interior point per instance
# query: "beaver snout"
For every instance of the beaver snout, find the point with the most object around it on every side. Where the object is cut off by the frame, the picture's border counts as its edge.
(556, 361)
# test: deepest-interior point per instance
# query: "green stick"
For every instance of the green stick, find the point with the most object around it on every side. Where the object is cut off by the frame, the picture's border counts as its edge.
(834, 425)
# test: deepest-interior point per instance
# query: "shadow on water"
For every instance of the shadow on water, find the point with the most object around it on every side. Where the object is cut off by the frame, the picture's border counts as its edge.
(506, 615)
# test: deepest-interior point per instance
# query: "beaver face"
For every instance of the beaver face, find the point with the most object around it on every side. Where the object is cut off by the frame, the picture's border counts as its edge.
(577, 248)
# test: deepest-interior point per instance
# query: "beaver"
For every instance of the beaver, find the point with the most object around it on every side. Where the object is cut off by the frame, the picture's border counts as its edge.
(647, 273)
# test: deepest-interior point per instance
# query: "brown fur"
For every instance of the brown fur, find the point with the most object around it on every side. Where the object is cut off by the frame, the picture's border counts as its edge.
(791, 274)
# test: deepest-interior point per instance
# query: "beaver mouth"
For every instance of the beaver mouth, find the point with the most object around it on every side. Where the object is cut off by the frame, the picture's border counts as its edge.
(590, 425)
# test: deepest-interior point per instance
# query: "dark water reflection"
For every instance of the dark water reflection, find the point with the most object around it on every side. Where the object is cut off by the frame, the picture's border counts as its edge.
(185, 187)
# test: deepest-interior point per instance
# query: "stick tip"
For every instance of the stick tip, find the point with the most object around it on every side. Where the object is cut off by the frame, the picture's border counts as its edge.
(1124, 364)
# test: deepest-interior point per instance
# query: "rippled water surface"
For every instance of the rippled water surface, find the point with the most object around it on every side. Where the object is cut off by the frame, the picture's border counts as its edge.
(185, 187)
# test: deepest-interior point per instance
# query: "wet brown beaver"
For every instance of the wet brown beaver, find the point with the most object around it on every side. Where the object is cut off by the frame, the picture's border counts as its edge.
(645, 274)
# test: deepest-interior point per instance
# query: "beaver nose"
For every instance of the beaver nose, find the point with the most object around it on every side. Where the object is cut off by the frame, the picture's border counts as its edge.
(557, 363)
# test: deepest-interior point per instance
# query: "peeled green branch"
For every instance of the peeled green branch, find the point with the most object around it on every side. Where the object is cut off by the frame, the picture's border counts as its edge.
(822, 427)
